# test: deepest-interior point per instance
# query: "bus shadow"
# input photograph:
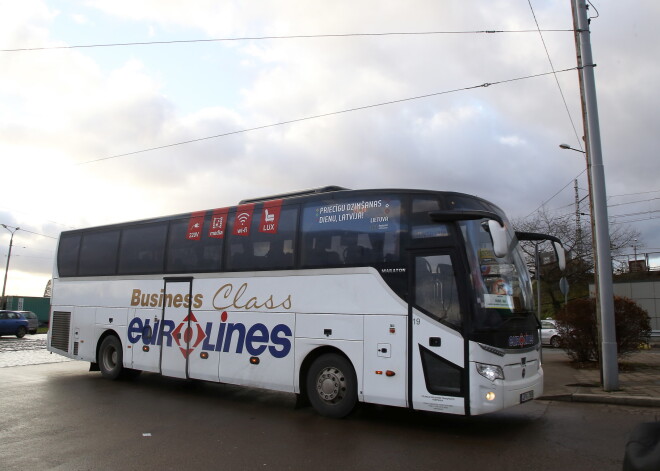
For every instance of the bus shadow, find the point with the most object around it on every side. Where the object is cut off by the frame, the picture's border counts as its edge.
(219, 398)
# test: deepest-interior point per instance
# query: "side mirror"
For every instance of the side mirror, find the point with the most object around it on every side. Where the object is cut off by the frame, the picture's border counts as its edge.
(498, 234)
(561, 255)
(556, 243)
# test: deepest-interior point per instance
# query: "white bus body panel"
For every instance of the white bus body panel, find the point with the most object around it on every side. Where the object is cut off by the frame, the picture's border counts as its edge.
(306, 302)
(451, 349)
(385, 351)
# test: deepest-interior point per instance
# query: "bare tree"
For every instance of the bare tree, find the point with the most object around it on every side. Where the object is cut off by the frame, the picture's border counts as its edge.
(577, 242)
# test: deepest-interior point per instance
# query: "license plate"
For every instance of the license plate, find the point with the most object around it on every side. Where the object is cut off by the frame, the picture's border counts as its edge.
(526, 396)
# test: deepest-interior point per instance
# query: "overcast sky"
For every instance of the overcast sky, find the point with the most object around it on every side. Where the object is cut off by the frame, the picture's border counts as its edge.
(63, 110)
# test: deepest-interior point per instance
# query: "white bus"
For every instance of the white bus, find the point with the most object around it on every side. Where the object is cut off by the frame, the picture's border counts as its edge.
(406, 298)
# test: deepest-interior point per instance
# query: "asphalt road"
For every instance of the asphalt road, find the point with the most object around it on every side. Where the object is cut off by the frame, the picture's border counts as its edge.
(60, 416)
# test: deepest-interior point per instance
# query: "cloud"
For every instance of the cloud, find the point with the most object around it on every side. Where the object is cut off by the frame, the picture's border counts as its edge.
(63, 108)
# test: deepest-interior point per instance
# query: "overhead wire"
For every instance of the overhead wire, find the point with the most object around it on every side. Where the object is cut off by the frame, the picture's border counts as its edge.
(561, 92)
(638, 193)
(260, 38)
(555, 195)
(324, 115)
(32, 232)
(633, 202)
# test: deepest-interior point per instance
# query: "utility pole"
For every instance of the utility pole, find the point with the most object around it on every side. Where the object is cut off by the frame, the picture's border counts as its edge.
(11, 243)
(601, 235)
(578, 224)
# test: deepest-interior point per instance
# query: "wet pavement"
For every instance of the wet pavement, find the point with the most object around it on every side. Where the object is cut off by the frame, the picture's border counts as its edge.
(638, 373)
(30, 350)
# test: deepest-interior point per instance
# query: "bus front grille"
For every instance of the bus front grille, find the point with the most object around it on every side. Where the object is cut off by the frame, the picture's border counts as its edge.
(60, 330)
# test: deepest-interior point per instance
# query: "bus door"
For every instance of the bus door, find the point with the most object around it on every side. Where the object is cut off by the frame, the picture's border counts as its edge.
(437, 380)
(177, 329)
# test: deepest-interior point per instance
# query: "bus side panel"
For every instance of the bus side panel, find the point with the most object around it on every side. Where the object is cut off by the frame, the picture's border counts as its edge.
(351, 348)
(143, 339)
(267, 339)
(385, 360)
(204, 359)
(83, 323)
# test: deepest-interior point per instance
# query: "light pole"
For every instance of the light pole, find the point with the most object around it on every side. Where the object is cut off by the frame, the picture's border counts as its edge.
(601, 235)
(11, 243)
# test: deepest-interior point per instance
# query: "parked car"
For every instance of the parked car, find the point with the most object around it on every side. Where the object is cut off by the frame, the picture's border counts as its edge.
(549, 334)
(33, 320)
(12, 323)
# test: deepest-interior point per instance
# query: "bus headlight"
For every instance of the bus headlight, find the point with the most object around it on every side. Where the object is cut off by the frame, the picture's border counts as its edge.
(490, 372)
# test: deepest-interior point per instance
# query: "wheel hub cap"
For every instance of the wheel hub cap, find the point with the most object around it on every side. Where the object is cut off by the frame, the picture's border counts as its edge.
(331, 384)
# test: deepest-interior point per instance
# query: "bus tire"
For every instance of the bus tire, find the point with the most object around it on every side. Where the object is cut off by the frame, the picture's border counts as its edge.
(332, 386)
(111, 357)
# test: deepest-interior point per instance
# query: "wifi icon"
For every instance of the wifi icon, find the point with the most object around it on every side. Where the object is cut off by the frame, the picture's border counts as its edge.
(243, 218)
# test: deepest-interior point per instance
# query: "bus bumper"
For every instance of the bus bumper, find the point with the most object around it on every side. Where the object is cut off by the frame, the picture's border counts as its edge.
(490, 396)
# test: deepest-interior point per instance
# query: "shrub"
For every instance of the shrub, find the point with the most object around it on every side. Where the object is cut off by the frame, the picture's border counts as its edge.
(576, 324)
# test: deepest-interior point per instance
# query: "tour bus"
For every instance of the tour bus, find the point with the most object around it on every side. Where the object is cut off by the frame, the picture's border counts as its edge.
(409, 298)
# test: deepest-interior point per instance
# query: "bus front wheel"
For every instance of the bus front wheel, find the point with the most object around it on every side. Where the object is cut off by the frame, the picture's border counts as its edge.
(111, 358)
(332, 386)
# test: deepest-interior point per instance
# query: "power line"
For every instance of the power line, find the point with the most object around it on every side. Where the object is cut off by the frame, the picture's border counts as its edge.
(633, 202)
(639, 193)
(553, 196)
(634, 214)
(609, 205)
(36, 233)
(297, 36)
(634, 220)
(28, 214)
(324, 115)
(561, 92)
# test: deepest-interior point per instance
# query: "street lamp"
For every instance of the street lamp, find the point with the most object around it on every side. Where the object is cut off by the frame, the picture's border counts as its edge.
(566, 146)
(11, 243)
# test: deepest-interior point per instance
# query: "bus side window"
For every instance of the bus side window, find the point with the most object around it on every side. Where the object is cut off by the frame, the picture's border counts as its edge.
(186, 255)
(264, 250)
(98, 253)
(67, 255)
(142, 248)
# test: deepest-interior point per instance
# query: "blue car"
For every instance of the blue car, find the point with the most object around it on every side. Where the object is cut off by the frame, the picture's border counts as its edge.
(12, 323)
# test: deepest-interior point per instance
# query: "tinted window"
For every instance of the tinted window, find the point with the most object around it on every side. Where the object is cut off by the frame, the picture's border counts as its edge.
(436, 292)
(422, 227)
(465, 202)
(67, 254)
(262, 238)
(98, 253)
(190, 251)
(351, 232)
(142, 248)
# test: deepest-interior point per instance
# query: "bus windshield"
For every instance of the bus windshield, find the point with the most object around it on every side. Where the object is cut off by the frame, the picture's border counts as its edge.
(502, 285)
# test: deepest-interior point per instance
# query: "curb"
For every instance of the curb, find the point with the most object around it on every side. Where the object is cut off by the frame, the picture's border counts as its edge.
(639, 401)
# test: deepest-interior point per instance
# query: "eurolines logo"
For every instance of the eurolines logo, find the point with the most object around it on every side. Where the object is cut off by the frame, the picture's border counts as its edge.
(212, 337)
(521, 340)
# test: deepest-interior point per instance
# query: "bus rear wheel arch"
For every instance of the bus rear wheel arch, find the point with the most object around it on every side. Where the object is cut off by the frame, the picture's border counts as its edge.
(331, 385)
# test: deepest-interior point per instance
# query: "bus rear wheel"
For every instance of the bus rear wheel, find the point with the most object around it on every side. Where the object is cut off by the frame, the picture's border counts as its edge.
(111, 357)
(332, 386)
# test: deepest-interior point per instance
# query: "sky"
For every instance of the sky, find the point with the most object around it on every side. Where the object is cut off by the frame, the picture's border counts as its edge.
(69, 116)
